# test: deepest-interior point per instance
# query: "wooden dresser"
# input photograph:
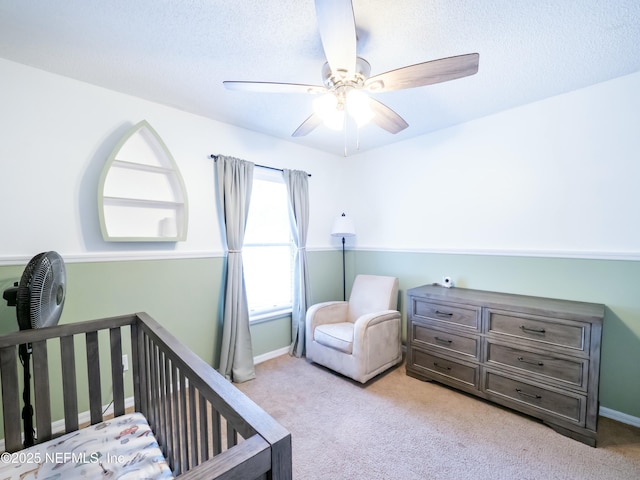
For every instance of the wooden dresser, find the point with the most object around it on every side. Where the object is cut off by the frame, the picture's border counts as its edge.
(539, 356)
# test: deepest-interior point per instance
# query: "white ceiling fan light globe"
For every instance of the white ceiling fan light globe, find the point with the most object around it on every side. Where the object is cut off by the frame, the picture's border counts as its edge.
(359, 107)
(325, 104)
(335, 119)
(327, 108)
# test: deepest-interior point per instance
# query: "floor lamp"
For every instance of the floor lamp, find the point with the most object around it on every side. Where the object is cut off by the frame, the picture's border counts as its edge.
(343, 227)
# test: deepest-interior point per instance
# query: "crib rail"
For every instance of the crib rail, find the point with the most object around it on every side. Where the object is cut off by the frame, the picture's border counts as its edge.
(205, 426)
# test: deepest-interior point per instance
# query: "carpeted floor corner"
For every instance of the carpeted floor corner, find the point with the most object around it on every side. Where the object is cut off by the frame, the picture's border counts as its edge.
(398, 427)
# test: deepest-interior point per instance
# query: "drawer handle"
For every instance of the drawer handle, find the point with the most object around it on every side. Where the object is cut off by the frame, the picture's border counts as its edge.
(525, 394)
(532, 330)
(539, 364)
(441, 367)
(443, 340)
(444, 314)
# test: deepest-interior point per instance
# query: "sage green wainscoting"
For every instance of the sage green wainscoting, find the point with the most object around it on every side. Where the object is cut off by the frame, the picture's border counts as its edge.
(615, 283)
(183, 295)
(8, 275)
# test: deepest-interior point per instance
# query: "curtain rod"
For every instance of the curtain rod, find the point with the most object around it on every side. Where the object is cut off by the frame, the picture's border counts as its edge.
(215, 157)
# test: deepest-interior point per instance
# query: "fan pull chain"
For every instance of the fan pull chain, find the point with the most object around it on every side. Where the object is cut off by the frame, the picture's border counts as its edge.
(344, 132)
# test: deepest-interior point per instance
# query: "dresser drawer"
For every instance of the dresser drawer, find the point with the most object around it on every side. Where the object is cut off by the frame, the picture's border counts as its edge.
(451, 370)
(467, 316)
(563, 370)
(447, 341)
(543, 400)
(566, 334)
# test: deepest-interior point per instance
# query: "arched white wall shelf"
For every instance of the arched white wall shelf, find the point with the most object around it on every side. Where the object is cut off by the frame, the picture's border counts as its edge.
(141, 194)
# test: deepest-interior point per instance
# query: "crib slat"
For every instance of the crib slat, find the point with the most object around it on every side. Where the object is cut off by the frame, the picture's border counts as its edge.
(216, 431)
(157, 397)
(163, 401)
(204, 429)
(10, 398)
(140, 389)
(147, 387)
(193, 459)
(41, 390)
(93, 370)
(184, 425)
(232, 436)
(162, 424)
(117, 378)
(166, 381)
(69, 385)
(175, 420)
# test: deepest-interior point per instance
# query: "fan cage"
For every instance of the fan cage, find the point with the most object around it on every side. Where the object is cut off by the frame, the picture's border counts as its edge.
(41, 292)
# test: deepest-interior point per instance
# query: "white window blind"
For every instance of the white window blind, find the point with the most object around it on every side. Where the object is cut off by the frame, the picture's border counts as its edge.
(268, 249)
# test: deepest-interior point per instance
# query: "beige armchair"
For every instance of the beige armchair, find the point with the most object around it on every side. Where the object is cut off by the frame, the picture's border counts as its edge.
(359, 338)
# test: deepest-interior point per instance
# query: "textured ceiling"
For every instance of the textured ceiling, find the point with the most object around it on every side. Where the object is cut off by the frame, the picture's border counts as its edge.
(178, 53)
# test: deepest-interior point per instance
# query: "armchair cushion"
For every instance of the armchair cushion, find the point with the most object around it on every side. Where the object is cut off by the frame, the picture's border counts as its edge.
(336, 335)
(372, 293)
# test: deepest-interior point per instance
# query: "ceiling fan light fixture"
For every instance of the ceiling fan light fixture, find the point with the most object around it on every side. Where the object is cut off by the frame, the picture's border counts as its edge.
(328, 108)
(325, 104)
(359, 107)
(335, 120)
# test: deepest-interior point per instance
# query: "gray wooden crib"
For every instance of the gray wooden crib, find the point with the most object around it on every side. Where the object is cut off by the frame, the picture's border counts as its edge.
(205, 427)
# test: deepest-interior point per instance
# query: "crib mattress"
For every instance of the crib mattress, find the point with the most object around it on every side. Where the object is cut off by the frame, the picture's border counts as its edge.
(121, 448)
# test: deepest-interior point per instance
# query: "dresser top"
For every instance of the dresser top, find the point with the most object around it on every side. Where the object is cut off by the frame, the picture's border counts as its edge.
(524, 303)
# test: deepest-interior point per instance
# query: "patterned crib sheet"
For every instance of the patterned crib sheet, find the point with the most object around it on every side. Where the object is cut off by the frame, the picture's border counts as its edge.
(123, 448)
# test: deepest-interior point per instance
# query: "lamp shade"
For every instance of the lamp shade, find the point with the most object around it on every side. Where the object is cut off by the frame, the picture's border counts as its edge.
(343, 227)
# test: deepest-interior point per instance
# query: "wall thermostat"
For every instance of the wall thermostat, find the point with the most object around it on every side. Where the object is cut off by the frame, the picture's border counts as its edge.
(447, 282)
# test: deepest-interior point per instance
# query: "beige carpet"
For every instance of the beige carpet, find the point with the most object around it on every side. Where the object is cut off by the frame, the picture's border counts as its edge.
(397, 427)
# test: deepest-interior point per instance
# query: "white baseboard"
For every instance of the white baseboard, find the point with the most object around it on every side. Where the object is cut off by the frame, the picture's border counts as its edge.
(620, 417)
(269, 355)
(85, 417)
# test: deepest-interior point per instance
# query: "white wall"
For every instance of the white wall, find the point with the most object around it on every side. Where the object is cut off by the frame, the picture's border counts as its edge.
(56, 136)
(556, 177)
(551, 177)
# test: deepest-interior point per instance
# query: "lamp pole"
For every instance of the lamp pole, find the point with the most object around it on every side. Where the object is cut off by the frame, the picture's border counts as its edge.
(343, 227)
(344, 274)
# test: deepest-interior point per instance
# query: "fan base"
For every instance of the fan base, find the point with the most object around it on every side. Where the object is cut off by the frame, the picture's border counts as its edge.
(341, 78)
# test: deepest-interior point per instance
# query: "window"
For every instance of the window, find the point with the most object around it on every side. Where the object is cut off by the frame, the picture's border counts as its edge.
(268, 248)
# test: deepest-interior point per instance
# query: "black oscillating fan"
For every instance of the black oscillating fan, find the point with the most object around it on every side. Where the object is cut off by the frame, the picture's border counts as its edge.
(38, 298)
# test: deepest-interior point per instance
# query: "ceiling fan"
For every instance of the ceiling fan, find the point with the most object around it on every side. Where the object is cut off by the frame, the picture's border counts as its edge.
(346, 76)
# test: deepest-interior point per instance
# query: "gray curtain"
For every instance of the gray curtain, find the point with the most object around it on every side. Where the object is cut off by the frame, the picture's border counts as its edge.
(234, 178)
(298, 192)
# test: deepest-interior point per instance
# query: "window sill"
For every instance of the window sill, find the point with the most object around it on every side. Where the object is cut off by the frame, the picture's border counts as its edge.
(267, 315)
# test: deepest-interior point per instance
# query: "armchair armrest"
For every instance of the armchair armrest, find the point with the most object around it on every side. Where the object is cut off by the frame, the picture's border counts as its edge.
(364, 322)
(326, 312)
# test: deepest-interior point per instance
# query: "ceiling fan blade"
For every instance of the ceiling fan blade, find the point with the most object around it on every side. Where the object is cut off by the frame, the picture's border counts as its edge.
(386, 118)
(307, 126)
(273, 87)
(426, 73)
(337, 26)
